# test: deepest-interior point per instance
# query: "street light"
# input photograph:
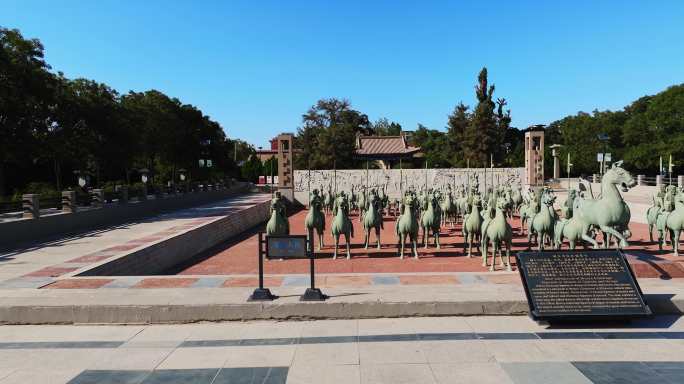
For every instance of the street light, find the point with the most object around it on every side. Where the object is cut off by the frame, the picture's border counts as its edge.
(603, 137)
(144, 175)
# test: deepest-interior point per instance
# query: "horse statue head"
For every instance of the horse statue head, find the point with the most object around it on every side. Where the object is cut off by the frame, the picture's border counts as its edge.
(548, 198)
(619, 176)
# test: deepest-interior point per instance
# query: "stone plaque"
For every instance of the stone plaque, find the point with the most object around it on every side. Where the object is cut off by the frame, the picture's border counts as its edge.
(286, 247)
(570, 285)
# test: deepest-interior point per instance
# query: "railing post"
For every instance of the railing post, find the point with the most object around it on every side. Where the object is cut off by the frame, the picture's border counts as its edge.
(680, 181)
(595, 178)
(640, 179)
(69, 201)
(123, 199)
(98, 198)
(659, 180)
(31, 206)
(143, 192)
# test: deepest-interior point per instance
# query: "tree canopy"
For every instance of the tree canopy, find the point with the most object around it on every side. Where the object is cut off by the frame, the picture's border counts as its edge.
(639, 134)
(52, 126)
(328, 134)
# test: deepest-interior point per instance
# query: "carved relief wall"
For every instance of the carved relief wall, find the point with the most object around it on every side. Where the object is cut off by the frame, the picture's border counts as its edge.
(395, 180)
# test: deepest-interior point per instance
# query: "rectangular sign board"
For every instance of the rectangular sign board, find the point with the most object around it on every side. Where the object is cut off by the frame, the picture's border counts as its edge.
(573, 285)
(286, 247)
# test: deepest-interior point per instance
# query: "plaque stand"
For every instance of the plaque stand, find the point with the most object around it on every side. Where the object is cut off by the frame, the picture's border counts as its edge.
(261, 293)
(313, 293)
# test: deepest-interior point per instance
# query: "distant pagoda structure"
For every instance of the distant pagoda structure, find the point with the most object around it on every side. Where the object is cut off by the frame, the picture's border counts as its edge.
(385, 150)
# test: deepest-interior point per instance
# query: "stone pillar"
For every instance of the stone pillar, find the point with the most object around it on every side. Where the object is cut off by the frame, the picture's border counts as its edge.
(31, 206)
(556, 168)
(556, 163)
(69, 201)
(98, 198)
(659, 180)
(640, 180)
(123, 198)
(680, 181)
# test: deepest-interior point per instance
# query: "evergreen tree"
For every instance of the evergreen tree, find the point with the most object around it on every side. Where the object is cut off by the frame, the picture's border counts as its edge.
(457, 124)
(383, 127)
(480, 136)
(503, 122)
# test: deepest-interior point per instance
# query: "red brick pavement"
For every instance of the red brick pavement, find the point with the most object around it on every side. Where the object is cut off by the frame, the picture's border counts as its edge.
(79, 284)
(241, 257)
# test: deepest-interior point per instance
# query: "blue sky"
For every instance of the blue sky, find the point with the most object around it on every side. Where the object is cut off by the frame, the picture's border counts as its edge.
(256, 66)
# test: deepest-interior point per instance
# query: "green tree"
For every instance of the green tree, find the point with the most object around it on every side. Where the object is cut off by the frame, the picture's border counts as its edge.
(26, 97)
(480, 137)
(252, 169)
(383, 127)
(327, 137)
(435, 147)
(457, 123)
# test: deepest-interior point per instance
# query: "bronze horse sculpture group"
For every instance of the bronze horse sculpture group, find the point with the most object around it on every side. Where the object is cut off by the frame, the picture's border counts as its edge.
(484, 216)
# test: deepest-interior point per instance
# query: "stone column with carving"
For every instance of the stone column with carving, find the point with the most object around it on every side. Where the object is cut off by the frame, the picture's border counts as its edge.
(69, 202)
(31, 206)
(97, 198)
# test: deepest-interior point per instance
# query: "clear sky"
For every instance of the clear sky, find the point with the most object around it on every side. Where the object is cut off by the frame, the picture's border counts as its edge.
(256, 66)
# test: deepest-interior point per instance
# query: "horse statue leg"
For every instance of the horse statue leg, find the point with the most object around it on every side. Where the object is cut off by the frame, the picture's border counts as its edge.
(337, 245)
(377, 235)
(674, 236)
(495, 247)
(414, 241)
(469, 241)
(402, 238)
(435, 233)
(320, 239)
(346, 240)
(611, 231)
(508, 255)
(465, 243)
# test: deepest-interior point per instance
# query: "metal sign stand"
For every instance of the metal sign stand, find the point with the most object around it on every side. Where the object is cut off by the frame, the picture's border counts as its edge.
(261, 293)
(312, 293)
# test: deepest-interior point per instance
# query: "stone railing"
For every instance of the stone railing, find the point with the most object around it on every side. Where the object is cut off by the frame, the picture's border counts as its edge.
(35, 224)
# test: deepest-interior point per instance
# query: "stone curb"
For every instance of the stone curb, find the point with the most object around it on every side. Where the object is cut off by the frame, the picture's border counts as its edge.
(159, 314)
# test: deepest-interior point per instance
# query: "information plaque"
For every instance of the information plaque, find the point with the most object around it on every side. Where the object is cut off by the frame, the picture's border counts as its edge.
(574, 285)
(286, 247)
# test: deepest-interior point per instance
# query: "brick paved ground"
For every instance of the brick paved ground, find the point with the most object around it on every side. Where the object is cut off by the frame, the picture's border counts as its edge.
(240, 257)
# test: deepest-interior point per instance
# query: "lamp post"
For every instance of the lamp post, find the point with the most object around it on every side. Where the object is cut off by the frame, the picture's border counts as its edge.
(144, 177)
(556, 164)
(568, 170)
(181, 176)
(82, 178)
(603, 137)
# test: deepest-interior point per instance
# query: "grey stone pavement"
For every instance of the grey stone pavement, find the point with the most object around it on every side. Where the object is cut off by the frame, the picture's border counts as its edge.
(493, 349)
(19, 262)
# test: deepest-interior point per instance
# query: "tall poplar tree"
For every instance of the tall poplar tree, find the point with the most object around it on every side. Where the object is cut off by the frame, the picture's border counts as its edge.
(480, 136)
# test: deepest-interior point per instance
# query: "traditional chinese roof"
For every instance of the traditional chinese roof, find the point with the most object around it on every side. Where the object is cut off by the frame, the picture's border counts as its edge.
(384, 147)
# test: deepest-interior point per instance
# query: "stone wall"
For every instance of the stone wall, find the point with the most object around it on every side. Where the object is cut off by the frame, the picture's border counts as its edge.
(396, 180)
